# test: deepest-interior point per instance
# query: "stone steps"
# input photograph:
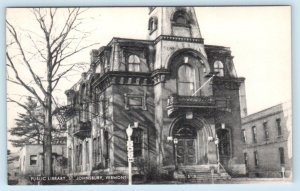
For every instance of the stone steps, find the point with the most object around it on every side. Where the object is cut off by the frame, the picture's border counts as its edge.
(201, 174)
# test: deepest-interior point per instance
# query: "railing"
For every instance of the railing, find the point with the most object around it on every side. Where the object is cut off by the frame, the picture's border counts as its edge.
(198, 101)
(191, 100)
(176, 102)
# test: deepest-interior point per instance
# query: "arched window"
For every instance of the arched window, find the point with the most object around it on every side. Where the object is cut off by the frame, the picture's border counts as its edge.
(137, 138)
(181, 18)
(185, 131)
(219, 67)
(98, 68)
(133, 63)
(186, 80)
(83, 103)
(152, 25)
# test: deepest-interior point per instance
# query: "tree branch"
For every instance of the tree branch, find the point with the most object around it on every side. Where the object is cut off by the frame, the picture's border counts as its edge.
(27, 109)
(20, 81)
(35, 77)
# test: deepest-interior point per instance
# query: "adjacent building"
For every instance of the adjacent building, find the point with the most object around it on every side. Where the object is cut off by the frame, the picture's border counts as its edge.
(182, 94)
(31, 159)
(268, 142)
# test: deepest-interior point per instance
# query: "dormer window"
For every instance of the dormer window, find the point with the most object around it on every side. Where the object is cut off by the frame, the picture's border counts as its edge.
(219, 68)
(152, 25)
(133, 63)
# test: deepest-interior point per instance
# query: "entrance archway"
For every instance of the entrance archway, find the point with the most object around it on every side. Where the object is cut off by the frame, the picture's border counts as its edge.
(191, 141)
(186, 147)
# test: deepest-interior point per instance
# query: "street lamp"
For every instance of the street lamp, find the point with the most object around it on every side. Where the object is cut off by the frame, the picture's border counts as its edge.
(129, 132)
(175, 141)
(209, 139)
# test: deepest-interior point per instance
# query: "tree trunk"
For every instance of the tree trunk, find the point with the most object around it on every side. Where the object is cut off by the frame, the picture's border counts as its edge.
(48, 171)
(47, 139)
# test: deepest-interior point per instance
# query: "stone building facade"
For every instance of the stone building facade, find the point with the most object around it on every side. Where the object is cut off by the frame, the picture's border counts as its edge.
(267, 136)
(174, 86)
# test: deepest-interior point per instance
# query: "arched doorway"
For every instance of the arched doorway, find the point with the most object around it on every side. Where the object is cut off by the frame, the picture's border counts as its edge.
(191, 144)
(186, 144)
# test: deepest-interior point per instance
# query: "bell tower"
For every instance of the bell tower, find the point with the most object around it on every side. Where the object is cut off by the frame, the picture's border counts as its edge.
(175, 30)
(173, 21)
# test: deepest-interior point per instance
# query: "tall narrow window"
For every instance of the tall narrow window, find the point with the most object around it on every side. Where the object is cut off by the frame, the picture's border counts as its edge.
(133, 63)
(254, 134)
(106, 148)
(246, 159)
(87, 111)
(266, 130)
(255, 159)
(137, 138)
(70, 159)
(99, 149)
(279, 131)
(152, 25)
(94, 151)
(224, 142)
(83, 103)
(87, 153)
(81, 112)
(77, 155)
(106, 63)
(281, 156)
(98, 68)
(219, 68)
(244, 135)
(105, 110)
(186, 80)
(80, 154)
(96, 105)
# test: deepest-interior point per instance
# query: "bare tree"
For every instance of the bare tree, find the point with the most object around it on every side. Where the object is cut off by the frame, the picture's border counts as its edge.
(58, 37)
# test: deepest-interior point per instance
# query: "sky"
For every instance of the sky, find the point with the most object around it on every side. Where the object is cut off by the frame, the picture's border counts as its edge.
(259, 38)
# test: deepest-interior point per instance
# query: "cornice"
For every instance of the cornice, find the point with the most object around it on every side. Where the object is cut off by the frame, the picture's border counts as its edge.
(178, 39)
(123, 78)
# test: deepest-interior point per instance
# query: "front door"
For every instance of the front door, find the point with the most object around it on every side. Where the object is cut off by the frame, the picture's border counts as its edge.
(186, 152)
(185, 149)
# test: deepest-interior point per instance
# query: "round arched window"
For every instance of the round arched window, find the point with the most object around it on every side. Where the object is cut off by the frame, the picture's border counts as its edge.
(219, 68)
(181, 18)
(152, 25)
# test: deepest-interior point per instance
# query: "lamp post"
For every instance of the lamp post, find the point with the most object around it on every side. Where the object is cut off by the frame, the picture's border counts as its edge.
(218, 157)
(129, 132)
(209, 139)
(175, 141)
